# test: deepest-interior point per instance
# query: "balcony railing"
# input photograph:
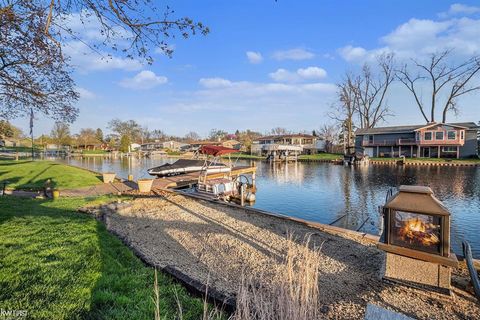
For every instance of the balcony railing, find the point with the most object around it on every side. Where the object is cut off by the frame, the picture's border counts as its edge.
(394, 142)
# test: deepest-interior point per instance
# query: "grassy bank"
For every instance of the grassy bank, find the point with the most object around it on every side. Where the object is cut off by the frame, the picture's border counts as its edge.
(31, 175)
(22, 149)
(243, 155)
(94, 152)
(60, 264)
(321, 156)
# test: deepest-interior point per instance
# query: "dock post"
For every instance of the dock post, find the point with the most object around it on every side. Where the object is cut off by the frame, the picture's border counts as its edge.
(242, 195)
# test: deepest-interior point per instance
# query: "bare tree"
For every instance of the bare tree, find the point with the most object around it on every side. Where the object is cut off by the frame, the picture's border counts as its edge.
(87, 136)
(144, 134)
(192, 136)
(453, 79)
(370, 90)
(279, 131)
(217, 135)
(158, 134)
(128, 128)
(34, 73)
(330, 134)
(346, 109)
(60, 134)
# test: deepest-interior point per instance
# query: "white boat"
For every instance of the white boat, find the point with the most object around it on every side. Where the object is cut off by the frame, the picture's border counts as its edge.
(183, 166)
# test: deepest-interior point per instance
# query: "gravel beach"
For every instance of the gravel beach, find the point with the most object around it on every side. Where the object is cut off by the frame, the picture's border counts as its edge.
(217, 243)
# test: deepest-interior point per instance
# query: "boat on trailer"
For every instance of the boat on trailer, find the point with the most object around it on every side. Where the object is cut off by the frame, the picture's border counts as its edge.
(184, 166)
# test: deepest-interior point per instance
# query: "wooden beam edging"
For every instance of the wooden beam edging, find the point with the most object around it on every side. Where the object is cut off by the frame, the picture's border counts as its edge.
(319, 160)
(316, 225)
(426, 163)
(194, 286)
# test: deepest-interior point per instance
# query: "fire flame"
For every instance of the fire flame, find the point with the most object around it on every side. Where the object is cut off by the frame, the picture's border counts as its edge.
(417, 231)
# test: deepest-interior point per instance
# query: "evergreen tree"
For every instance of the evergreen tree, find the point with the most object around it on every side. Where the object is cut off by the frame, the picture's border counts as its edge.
(125, 143)
(99, 135)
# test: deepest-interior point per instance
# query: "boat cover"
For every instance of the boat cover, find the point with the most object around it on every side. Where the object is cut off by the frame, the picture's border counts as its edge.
(187, 164)
(181, 163)
(216, 150)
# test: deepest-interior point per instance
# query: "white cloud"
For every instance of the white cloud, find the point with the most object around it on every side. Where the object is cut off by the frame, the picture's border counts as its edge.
(351, 53)
(143, 80)
(293, 54)
(88, 35)
(420, 37)
(248, 88)
(233, 102)
(85, 94)
(309, 73)
(87, 60)
(215, 83)
(312, 73)
(254, 57)
(459, 9)
(282, 75)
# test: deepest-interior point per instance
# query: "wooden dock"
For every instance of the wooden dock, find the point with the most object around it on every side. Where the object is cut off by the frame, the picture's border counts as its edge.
(190, 179)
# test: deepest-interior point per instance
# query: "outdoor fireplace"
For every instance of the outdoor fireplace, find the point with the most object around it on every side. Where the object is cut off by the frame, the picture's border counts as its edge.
(416, 237)
(416, 231)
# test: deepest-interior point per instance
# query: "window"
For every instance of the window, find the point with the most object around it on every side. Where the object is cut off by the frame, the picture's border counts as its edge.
(427, 136)
(462, 134)
(449, 149)
(451, 135)
(370, 138)
(439, 135)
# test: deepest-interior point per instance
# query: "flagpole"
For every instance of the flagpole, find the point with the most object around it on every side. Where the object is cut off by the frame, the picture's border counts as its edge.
(31, 130)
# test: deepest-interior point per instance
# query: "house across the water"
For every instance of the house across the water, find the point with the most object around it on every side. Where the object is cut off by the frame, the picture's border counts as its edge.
(295, 143)
(433, 140)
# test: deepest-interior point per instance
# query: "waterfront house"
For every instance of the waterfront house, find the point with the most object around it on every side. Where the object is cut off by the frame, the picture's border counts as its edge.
(134, 146)
(175, 145)
(151, 146)
(303, 143)
(232, 144)
(195, 145)
(93, 146)
(433, 140)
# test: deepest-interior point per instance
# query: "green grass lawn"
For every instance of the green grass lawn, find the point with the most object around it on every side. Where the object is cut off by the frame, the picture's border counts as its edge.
(94, 152)
(321, 156)
(243, 155)
(31, 175)
(22, 149)
(174, 153)
(59, 264)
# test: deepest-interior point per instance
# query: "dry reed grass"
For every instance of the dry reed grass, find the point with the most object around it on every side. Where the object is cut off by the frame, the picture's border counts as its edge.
(292, 293)
(156, 297)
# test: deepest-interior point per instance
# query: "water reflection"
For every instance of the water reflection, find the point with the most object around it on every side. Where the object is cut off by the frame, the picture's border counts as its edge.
(350, 196)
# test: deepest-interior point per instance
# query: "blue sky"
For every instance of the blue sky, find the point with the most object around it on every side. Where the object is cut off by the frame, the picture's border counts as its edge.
(267, 64)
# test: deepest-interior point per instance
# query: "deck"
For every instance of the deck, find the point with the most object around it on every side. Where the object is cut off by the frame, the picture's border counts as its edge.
(186, 180)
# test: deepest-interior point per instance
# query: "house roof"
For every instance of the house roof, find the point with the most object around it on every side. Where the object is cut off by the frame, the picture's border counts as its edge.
(410, 128)
(283, 136)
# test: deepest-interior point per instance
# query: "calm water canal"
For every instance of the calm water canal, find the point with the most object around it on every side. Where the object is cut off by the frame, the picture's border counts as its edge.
(344, 196)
